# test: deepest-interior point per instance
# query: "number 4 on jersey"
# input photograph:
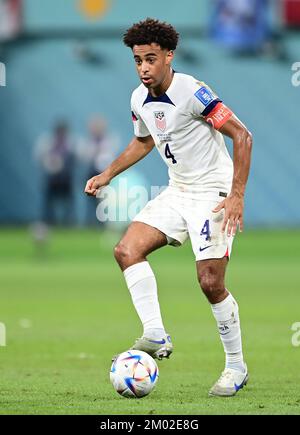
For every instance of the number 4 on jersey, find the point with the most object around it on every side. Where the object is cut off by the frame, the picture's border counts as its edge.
(169, 155)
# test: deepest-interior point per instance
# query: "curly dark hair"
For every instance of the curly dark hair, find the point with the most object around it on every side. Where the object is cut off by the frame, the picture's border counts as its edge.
(152, 31)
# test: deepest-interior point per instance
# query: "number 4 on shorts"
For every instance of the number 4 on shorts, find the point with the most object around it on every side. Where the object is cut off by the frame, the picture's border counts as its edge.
(206, 230)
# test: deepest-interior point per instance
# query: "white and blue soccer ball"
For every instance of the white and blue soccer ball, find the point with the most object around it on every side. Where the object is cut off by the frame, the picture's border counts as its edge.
(134, 374)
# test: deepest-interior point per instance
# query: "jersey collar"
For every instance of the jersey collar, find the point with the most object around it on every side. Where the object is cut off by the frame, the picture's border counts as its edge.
(161, 99)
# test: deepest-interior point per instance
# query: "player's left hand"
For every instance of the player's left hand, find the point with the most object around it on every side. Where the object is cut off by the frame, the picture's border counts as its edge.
(234, 207)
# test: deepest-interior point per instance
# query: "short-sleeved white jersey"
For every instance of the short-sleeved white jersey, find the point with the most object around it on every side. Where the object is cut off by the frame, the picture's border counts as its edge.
(194, 151)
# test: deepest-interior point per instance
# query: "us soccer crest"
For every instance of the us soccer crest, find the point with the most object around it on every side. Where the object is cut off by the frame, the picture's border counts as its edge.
(160, 120)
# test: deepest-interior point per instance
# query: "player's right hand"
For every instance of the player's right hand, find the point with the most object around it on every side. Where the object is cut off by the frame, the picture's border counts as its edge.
(95, 183)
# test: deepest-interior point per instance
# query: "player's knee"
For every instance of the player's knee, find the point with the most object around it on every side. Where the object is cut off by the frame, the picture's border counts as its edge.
(124, 255)
(211, 284)
(121, 252)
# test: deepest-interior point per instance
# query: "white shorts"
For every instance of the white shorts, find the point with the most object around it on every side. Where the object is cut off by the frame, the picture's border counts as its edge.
(180, 217)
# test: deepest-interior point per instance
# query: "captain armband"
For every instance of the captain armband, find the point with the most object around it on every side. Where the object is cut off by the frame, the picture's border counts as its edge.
(218, 116)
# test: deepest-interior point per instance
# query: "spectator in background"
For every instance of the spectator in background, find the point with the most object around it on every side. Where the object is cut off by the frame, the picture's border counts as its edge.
(242, 25)
(10, 18)
(55, 154)
(96, 151)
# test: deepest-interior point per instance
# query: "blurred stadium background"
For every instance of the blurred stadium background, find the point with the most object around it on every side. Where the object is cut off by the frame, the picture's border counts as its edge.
(68, 84)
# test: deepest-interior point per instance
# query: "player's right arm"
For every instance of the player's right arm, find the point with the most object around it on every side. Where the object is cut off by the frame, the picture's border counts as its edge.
(138, 148)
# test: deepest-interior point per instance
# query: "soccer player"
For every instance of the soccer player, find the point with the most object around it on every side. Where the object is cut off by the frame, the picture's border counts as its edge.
(185, 120)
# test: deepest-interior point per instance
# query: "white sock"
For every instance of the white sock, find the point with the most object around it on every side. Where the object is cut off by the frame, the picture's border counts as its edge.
(227, 316)
(141, 282)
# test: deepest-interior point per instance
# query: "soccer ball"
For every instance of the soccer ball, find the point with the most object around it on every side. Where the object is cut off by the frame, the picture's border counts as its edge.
(134, 374)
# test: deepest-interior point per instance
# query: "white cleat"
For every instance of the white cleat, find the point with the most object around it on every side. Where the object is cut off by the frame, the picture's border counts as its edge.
(229, 383)
(156, 348)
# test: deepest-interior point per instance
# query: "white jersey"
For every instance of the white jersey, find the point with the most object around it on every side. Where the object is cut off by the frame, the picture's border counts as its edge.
(178, 121)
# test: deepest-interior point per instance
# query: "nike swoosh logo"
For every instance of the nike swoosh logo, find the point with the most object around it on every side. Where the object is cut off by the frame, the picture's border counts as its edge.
(163, 341)
(238, 387)
(203, 249)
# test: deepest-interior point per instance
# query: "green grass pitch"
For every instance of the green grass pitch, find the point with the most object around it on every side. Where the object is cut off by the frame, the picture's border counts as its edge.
(66, 314)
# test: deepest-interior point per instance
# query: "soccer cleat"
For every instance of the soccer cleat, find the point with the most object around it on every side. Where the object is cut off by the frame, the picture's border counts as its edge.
(229, 383)
(156, 348)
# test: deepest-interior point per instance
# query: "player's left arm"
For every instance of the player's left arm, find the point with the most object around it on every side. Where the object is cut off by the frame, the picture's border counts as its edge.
(242, 146)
